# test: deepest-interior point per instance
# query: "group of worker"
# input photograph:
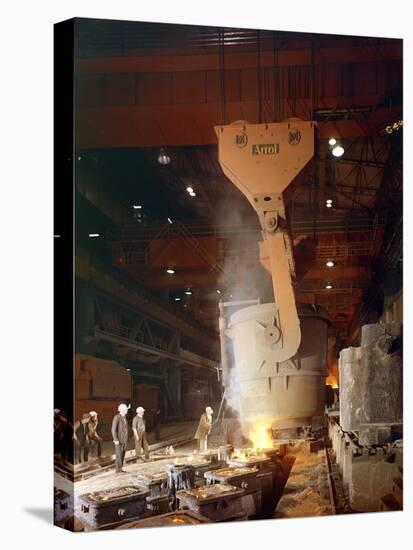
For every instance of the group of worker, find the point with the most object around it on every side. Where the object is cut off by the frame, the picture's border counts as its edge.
(86, 438)
(83, 438)
(120, 435)
(88, 443)
(63, 435)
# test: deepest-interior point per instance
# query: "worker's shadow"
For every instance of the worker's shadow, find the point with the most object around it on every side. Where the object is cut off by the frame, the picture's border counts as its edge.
(45, 514)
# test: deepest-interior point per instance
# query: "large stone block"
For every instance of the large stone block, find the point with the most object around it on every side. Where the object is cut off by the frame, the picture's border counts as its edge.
(371, 383)
(351, 393)
(370, 478)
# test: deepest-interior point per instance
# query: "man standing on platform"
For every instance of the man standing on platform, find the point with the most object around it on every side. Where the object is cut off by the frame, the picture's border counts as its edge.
(95, 439)
(204, 429)
(81, 438)
(139, 433)
(120, 436)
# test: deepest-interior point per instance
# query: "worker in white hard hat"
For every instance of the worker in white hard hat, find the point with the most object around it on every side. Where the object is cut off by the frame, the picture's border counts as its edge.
(139, 434)
(120, 436)
(94, 437)
(204, 429)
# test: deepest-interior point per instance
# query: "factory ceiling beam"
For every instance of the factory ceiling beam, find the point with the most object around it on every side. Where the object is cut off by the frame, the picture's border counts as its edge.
(149, 61)
(140, 318)
(191, 124)
(337, 272)
(336, 299)
(137, 297)
(204, 279)
(185, 279)
(301, 225)
(123, 342)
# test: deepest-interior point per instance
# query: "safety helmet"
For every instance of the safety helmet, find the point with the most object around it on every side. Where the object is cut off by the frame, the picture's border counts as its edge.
(140, 409)
(93, 413)
(209, 410)
(123, 407)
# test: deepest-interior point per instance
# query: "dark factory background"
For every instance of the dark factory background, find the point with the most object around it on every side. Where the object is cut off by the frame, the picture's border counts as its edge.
(161, 235)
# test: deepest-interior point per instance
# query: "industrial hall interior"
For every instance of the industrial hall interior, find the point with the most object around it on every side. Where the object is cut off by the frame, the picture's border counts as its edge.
(237, 277)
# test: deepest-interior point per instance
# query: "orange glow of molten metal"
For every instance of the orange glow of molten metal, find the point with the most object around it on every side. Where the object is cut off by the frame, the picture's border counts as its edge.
(331, 380)
(260, 437)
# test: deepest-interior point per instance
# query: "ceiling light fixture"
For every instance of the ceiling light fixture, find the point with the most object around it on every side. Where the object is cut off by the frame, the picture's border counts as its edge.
(193, 194)
(92, 235)
(188, 292)
(169, 220)
(338, 151)
(190, 189)
(137, 206)
(170, 271)
(218, 292)
(330, 263)
(177, 299)
(329, 285)
(163, 157)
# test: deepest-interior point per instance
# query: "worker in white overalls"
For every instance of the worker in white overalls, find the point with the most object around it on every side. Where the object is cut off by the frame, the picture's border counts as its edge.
(139, 434)
(204, 429)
